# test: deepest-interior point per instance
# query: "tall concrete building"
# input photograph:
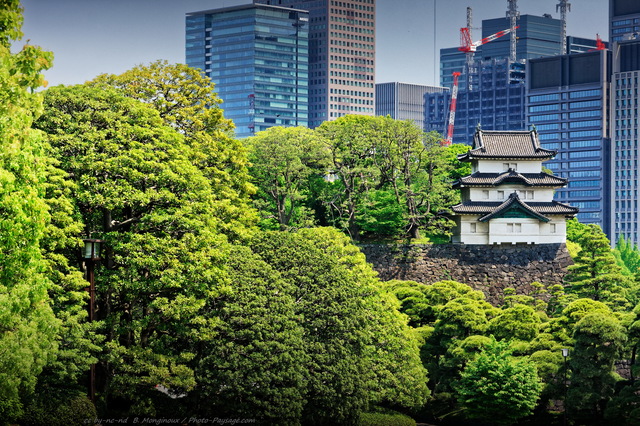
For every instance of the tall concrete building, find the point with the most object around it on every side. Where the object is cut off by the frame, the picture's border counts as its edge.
(403, 101)
(568, 101)
(624, 161)
(341, 56)
(624, 19)
(624, 33)
(258, 58)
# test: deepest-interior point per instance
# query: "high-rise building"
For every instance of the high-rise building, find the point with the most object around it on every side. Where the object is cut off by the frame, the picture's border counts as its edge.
(624, 19)
(342, 56)
(257, 56)
(568, 103)
(495, 102)
(403, 101)
(537, 36)
(624, 124)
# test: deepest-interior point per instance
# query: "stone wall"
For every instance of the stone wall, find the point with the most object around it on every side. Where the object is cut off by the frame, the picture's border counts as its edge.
(489, 268)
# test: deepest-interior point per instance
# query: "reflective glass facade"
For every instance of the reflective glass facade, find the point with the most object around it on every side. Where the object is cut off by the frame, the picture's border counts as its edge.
(495, 101)
(258, 58)
(624, 19)
(538, 36)
(342, 56)
(567, 101)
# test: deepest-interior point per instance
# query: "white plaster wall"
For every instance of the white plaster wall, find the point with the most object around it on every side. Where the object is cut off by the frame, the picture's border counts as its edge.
(481, 234)
(560, 234)
(496, 166)
(529, 231)
(539, 194)
(495, 231)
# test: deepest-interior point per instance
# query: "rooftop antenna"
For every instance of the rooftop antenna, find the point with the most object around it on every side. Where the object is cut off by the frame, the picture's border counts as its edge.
(564, 6)
(513, 15)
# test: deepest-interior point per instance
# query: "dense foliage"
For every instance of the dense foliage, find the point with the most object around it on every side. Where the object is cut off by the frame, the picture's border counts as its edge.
(370, 176)
(220, 297)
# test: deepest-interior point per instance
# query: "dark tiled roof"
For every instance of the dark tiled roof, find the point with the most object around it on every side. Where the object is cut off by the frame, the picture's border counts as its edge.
(514, 202)
(511, 176)
(486, 208)
(497, 144)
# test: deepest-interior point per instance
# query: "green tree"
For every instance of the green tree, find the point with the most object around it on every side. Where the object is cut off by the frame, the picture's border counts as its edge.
(186, 101)
(253, 364)
(497, 387)
(518, 322)
(629, 255)
(138, 190)
(28, 326)
(598, 341)
(351, 143)
(595, 273)
(282, 162)
(360, 352)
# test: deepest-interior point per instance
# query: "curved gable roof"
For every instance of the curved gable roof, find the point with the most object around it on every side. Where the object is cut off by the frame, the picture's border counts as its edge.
(500, 144)
(510, 176)
(514, 203)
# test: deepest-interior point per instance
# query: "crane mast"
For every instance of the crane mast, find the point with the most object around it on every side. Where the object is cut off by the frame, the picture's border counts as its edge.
(469, 47)
(564, 6)
(513, 15)
(452, 109)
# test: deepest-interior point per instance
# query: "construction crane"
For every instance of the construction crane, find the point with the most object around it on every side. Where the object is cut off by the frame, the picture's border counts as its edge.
(469, 54)
(564, 6)
(466, 45)
(469, 48)
(513, 15)
(452, 109)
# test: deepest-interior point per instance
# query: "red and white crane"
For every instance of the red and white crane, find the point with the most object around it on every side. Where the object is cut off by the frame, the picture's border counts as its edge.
(452, 109)
(468, 47)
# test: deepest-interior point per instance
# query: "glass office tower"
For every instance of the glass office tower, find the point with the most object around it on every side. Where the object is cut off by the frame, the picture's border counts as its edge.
(495, 101)
(258, 58)
(568, 103)
(624, 19)
(342, 57)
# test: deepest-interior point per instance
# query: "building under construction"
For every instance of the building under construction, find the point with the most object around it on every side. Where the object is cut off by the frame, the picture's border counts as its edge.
(492, 86)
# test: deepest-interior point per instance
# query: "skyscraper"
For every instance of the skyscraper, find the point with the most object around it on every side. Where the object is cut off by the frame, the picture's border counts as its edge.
(624, 19)
(624, 161)
(342, 56)
(403, 101)
(257, 56)
(496, 101)
(567, 102)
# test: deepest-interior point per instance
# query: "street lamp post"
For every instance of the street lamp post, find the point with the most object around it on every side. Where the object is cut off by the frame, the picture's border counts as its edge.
(91, 257)
(565, 355)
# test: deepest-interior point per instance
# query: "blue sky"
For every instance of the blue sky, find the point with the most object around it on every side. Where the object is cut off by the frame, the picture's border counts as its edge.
(90, 37)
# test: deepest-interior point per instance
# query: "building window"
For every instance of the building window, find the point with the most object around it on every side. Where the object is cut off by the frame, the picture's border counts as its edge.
(514, 228)
(500, 195)
(473, 228)
(485, 194)
(552, 228)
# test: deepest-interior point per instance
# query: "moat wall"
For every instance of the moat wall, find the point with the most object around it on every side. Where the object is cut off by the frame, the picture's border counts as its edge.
(489, 268)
